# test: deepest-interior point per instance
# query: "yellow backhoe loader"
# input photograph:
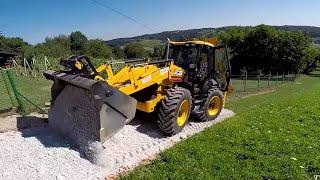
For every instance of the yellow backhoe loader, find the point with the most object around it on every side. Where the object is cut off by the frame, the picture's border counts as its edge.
(191, 79)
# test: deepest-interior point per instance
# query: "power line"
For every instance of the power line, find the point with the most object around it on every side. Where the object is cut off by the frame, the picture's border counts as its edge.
(122, 14)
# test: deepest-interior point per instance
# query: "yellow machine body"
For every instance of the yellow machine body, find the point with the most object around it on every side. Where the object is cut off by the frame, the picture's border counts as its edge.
(134, 78)
(140, 84)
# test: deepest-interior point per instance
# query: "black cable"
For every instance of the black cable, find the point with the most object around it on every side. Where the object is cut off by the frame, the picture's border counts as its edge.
(122, 14)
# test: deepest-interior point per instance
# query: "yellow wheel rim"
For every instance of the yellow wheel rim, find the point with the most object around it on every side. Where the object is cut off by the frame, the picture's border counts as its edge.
(214, 106)
(183, 112)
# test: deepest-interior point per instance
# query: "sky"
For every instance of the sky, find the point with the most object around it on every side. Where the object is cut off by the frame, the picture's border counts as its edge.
(34, 20)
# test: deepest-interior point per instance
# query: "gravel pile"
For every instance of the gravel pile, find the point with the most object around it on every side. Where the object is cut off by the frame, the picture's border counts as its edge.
(39, 153)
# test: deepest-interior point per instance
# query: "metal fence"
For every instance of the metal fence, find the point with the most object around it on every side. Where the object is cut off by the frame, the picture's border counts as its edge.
(30, 93)
(254, 82)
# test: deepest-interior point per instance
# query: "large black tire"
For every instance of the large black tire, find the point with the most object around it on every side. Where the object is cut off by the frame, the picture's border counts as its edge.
(211, 106)
(172, 107)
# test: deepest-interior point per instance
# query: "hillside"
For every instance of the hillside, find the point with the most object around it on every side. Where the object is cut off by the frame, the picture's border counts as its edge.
(176, 35)
(312, 31)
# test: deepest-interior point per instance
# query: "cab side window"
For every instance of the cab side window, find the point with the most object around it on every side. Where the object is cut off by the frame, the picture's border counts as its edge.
(220, 66)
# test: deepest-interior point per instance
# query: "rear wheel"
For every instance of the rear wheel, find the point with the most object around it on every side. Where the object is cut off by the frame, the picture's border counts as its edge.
(174, 110)
(211, 107)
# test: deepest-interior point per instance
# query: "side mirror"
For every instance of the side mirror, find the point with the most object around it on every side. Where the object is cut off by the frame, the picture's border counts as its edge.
(192, 66)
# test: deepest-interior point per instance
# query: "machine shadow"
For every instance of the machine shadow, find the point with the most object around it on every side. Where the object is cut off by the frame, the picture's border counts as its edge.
(146, 123)
(37, 127)
(31, 122)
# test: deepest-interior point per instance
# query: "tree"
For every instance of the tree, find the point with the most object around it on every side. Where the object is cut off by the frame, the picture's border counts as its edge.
(264, 47)
(310, 59)
(58, 46)
(234, 38)
(158, 52)
(118, 53)
(3, 45)
(78, 42)
(98, 48)
(135, 50)
(259, 48)
(16, 44)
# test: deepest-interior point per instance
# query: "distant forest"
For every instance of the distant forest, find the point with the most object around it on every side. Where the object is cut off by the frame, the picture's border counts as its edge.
(263, 47)
(313, 32)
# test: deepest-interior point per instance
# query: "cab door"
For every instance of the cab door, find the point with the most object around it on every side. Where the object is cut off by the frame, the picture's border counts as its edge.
(222, 69)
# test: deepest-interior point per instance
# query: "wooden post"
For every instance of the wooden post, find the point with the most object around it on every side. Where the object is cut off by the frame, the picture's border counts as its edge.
(269, 78)
(25, 66)
(246, 78)
(258, 79)
(244, 81)
(243, 74)
(34, 67)
(47, 64)
(16, 66)
(277, 79)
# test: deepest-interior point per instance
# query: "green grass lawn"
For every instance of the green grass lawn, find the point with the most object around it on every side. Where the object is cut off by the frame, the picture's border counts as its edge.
(150, 44)
(36, 90)
(272, 136)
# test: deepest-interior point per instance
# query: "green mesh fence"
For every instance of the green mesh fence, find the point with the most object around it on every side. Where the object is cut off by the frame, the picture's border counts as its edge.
(7, 99)
(27, 94)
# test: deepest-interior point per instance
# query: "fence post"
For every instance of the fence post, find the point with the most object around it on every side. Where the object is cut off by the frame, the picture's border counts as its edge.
(277, 79)
(34, 67)
(15, 90)
(269, 78)
(246, 78)
(259, 79)
(243, 76)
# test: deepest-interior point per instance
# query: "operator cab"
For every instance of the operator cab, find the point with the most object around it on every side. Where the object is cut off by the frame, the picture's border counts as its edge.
(202, 61)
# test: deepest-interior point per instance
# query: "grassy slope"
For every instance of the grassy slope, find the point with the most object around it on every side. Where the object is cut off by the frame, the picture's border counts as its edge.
(272, 136)
(35, 89)
(150, 44)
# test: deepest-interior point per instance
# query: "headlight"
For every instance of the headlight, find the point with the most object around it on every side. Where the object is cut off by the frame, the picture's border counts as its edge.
(178, 73)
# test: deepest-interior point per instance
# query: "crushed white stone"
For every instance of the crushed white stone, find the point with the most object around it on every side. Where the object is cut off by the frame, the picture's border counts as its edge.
(39, 153)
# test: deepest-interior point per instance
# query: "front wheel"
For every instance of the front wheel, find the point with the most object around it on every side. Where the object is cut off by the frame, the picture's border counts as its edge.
(174, 110)
(211, 107)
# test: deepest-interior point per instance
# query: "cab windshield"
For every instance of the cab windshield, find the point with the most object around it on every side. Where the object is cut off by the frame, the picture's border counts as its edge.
(183, 55)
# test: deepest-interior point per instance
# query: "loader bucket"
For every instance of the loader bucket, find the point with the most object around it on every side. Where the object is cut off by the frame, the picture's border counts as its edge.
(86, 110)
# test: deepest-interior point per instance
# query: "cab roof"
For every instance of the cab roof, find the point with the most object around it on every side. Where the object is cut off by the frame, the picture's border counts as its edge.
(180, 43)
